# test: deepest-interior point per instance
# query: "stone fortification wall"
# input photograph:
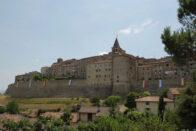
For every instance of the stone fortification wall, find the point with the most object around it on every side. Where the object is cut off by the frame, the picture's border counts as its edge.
(79, 88)
(57, 88)
(153, 85)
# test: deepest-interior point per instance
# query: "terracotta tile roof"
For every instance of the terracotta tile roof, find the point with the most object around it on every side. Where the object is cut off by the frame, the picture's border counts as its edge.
(53, 114)
(174, 91)
(152, 99)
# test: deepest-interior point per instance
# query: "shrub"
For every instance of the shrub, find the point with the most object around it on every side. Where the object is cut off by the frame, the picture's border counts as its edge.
(112, 101)
(130, 100)
(2, 109)
(58, 109)
(95, 100)
(67, 117)
(36, 77)
(12, 107)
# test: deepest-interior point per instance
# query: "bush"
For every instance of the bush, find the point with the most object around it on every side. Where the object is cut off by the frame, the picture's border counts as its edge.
(2, 109)
(112, 101)
(67, 117)
(95, 100)
(36, 77)
(12, 107)
(130, 100)
(58, 109)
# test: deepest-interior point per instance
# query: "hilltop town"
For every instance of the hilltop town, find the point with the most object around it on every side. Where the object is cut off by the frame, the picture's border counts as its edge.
(115, 73)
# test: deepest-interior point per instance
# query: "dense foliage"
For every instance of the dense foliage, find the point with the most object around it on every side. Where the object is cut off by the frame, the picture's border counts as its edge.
(95, 100)
(2, 109)
(67, 117)
(186, 108)
(161, 107)
(181, 44)
(12, 107)
(112, 101)
(130, 100)
(133, 121)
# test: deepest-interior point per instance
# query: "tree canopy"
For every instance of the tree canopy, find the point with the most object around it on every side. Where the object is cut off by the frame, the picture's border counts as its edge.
(181, 44)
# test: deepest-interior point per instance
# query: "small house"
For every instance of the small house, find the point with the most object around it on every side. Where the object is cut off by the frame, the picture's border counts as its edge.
(151, 103)
(90, 113)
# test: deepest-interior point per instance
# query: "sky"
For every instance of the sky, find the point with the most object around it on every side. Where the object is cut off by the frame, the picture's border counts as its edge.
(34, 33)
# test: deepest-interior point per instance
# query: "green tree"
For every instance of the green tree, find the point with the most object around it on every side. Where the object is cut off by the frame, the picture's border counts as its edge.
(67, 117)
(10, 125)
(187, 13)
(89, 126)
(181, 44)
(164, 92)
(112, 101)
(130, 100)
(12, 107)
(186, 104)
(95, 100)
(37, 77)
(2, 109)
(161, 107)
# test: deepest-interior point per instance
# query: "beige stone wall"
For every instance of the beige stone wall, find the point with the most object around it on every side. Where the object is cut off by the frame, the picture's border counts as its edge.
(99, 73)
(84, 117)
(124, 74)
(153, 106)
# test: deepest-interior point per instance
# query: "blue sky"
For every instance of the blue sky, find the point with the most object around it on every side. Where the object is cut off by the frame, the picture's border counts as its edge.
(34, 33)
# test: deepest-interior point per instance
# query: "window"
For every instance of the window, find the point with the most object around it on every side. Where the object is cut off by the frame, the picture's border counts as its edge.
(147, 109)
(147, 103)
(105, 75)
(117, 77)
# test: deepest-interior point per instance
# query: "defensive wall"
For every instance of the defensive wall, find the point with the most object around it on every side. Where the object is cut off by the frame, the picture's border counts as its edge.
(79, 88)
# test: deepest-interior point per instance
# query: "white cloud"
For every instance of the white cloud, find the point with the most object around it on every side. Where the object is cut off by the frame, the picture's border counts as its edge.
(103, 53)
(137, 29)
(125, 31)
(146, 23)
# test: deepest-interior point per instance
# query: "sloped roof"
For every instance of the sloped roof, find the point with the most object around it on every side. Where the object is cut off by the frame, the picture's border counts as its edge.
(174, 91)
(152, 99)
(116, 43)
(94, 109)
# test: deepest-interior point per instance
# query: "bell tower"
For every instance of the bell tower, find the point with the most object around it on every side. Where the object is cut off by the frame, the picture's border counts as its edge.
(116, 48)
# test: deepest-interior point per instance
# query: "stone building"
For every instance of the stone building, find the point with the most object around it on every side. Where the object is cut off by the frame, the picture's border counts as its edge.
(151, 103)
(90, 113)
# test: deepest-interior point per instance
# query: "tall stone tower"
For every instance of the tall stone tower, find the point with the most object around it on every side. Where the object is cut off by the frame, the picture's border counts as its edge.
(123, 70)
